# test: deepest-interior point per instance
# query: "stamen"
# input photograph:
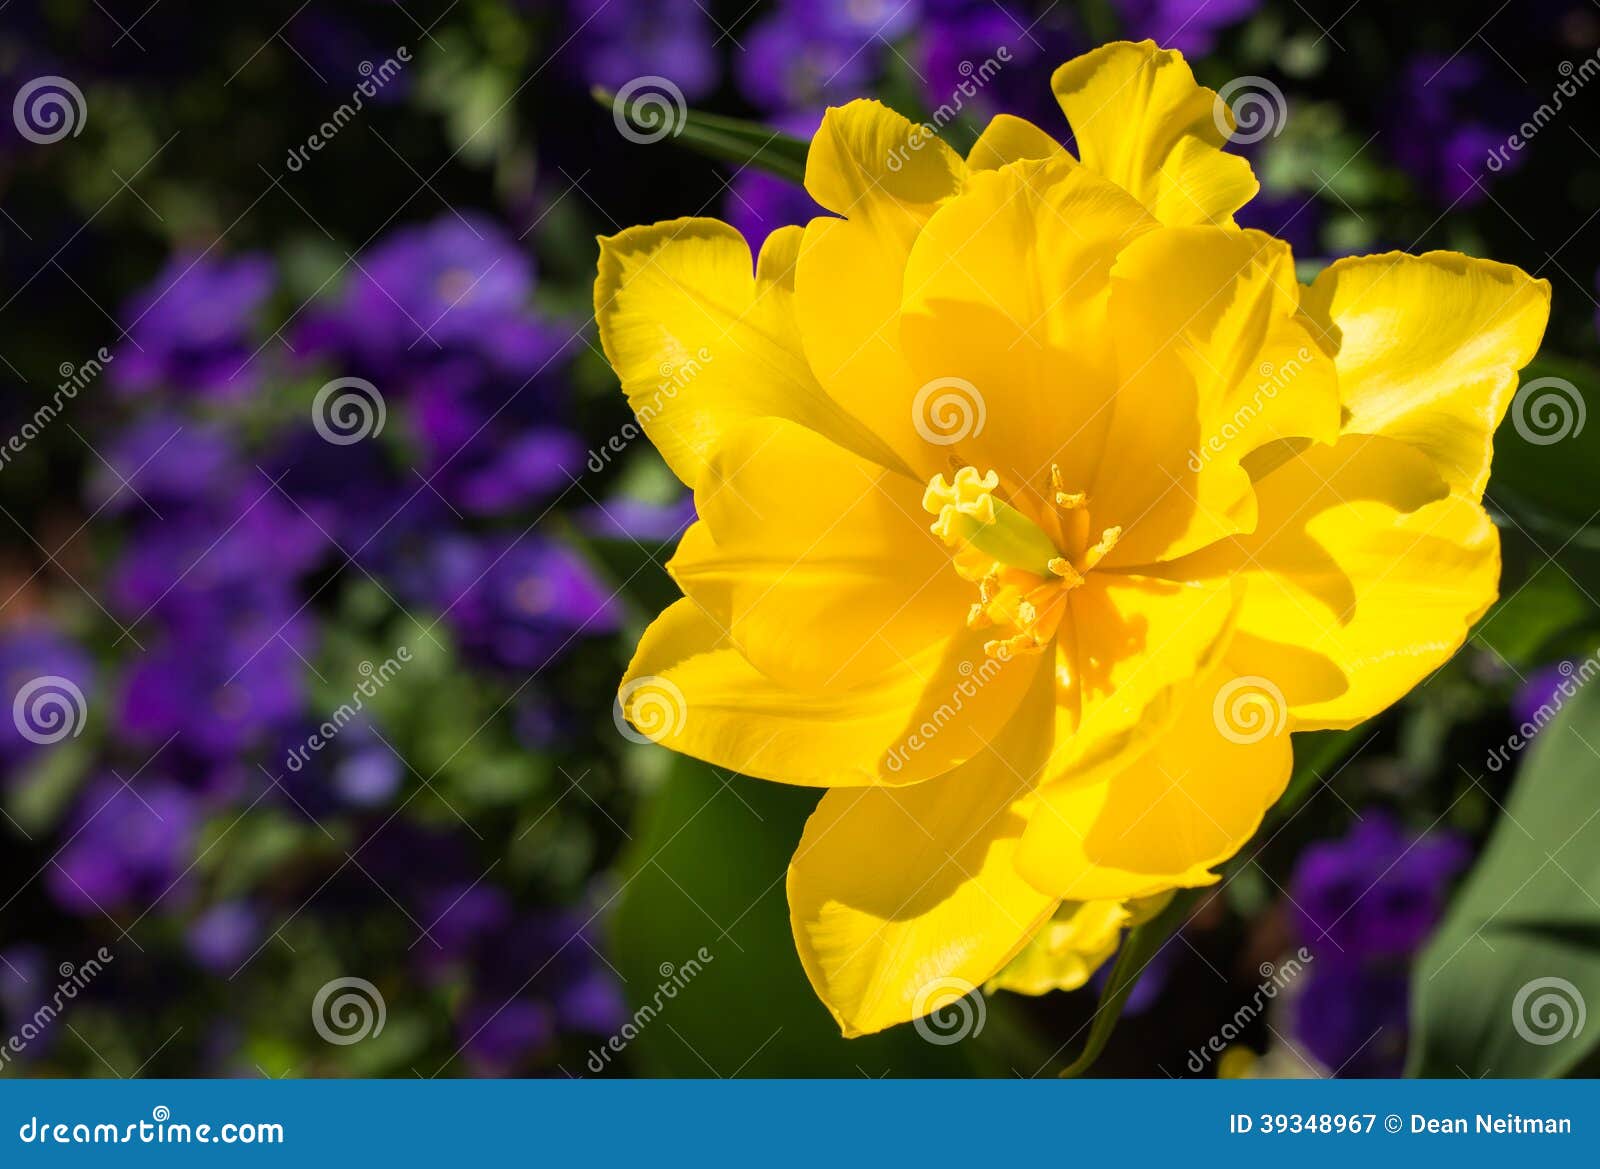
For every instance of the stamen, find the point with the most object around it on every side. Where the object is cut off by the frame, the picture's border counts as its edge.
(1108, 541)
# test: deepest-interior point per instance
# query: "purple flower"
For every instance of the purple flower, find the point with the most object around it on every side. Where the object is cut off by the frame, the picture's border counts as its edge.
(1542, 694)
(759, 203)
(979, 58)
(44, 677)
(617, 41)
(1379, 891)
(224, 935)
(457, 286)
(1444, 127)
(793, 61)
(1190, 26)
(221, 689)
(192, 328)
(517, 603)
(1295, 217)
(1353, 1018)
(127, 849)
(499, 1039)
(634, 519)
(164, 460)
(488, 443)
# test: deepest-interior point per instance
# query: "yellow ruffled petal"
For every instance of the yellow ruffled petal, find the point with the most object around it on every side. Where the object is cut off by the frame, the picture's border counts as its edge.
(1143, 122)
(886, 176)
(905, 899)
(1133, 651)
(1363, 577)
(818, 562)
(1186, 804)
(1216, 360)
(689, 689)
(1067, 950)
(1005, 323)
(701, 344)
(1008, 139)
(1429, 349)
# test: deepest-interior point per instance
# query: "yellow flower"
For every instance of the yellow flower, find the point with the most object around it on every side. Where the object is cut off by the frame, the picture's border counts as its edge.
(1038, 504)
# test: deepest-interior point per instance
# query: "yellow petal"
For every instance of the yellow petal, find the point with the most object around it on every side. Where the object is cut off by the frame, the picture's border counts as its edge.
(818, 562)
(1133, 650)
(1362, 577)
(1187, 803)
(1008, 138)
(1429, 350)
(1005, 322)
(1142, 121)
(689, 689)
(1216, 360)
(1067, 950)
(904, 899)
(886, 176)
(701, 344)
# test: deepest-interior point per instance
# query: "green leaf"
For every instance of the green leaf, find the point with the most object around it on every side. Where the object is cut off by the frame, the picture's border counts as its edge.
(1140, 947)
(726, 139)
(702, 940)
(1545, 453)
(1518, 946)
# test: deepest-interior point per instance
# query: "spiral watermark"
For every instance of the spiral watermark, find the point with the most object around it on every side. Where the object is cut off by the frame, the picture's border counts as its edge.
(948, 1010)
(348, 1010)
(649, 108)
(49, 709)
(649, 709)
(1258, 110)
(947, 410)
(1249, 709)
(347, 410)
(1548, 1010)
(1547, 410)
(48, 109)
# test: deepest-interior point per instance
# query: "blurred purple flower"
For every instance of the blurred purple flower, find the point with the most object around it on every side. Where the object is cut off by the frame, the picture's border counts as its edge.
(221, 689)
(1378, 891)
(128, 847)
(617, 41)
(224, 935)
(794, 61)
(634, 519)
(979, 58)
(191, 329)
(1542, 691)
(517, 603)
(1443, 125)
(164, 460)
(1190, 26)
(500, 1038)
(1295, 217)
(458, 285)
(1353, 1018)
(759, 203)
(39, 670)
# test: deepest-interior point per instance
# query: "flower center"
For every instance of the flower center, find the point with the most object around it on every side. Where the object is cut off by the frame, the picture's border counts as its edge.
(1023, 578)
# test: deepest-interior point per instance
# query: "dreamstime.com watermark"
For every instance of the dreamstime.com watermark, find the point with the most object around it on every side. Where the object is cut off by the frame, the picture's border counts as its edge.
(649, 709)
(160, 1129)
(948, 1010)
(1547, 410)
(1257, 106)
(48, 709)
(1273, 380)
(347, 410)
(73, 379)
(1574, 677)
(348, 1010)
(674, 379)
(973, 679)
(673, 979)
(375, 78)
(48, 109)
(976, 78)
(649, 108)
(1548, 1010)
(947, 410)
(1574, 78)
(374, 679)
(1273, 980)
(1248, 709)
(73, 980)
